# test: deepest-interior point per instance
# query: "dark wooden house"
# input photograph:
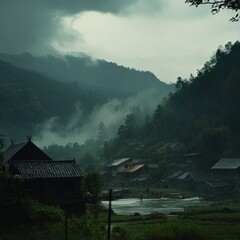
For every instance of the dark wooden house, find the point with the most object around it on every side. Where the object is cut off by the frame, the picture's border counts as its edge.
(229, 168)
(205, 184)
(26, 150)
(46, 180)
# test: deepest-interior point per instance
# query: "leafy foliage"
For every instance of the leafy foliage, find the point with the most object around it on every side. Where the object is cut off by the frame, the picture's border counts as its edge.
(218, 5)
(201, 115)
(92, 184)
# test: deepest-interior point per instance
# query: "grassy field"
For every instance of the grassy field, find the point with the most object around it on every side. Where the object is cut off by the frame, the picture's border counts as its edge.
(219, 221)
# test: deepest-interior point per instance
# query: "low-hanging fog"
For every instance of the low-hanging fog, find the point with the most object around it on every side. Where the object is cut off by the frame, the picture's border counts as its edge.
(111, 114)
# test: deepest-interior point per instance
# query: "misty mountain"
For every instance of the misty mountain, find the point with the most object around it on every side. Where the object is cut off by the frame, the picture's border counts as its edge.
(104, 76)
(28, 98)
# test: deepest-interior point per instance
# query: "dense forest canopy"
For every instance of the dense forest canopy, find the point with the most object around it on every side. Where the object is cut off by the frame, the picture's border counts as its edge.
(53, 98)
(28, 98)
(102, 76)
(202, 114)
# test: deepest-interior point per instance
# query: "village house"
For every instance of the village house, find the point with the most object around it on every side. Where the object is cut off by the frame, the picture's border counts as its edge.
(119, 165)
(229, 168)
(207, 184)
(128, 169)
(46, 180)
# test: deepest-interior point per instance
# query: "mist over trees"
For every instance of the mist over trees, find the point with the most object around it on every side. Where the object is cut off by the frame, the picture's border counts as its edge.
(202, 115)
(104, 77)
(67, 101)
(29, 98)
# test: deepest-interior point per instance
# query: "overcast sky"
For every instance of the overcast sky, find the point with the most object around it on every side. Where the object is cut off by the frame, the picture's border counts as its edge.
(166, 37)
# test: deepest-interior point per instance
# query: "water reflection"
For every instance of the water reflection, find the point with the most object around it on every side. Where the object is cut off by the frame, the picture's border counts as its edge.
(164, 205)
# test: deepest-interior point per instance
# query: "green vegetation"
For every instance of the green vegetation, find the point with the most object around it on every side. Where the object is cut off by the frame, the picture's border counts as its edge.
(201, 116)
(23, 218)
(29, 98)
(218, 5)
(106, 77)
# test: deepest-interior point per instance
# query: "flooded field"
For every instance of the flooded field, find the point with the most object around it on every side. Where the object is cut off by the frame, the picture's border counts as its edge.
(164, 205)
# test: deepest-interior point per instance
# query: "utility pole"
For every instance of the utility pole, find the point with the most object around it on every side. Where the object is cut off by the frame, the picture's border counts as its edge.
(109, 214)
(66, 224)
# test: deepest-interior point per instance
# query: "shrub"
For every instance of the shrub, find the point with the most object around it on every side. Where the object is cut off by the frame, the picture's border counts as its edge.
(119, 233)
(175, 231)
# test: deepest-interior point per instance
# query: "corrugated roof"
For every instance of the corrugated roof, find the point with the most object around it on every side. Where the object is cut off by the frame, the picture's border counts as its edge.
(227, 163)
(216, 184)
(152, 165)
(175, 175)
(184, 175)
(132, 169)
(48, 169)
(13, 149)
(195, 175)
(119, 161)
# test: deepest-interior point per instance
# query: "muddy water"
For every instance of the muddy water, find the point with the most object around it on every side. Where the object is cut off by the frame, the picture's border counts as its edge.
(164, 205)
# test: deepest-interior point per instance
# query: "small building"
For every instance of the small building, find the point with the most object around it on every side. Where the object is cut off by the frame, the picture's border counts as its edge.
(229, 169)
(119, 165)
(127, 169)
(50, 182)
(172, 180)
(134, 172)
(192, 180)
(46, 180)
(206, 184)
(216, 188)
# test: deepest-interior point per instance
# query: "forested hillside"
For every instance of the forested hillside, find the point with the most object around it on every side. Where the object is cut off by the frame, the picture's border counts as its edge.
(201, 116)
(28, 98)
(104, 76)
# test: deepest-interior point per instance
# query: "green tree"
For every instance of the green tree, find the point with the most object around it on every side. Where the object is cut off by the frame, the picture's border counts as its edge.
(92, 184)
(2, 145)
(218, 5)
(102, 133)
(92, 187)
(130, 128)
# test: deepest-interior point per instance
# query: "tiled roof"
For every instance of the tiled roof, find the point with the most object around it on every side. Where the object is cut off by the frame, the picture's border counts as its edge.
(11, 150)
(48, 169)
(227, 163)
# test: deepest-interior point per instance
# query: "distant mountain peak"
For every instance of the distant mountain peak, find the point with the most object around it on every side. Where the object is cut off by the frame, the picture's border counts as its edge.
(95, 74)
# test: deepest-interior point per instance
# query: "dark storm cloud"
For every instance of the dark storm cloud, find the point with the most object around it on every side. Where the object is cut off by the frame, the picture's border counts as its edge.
(29, 25)
(75, 6)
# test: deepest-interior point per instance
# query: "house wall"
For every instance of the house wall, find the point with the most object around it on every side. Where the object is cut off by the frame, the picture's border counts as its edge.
(53, 191)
